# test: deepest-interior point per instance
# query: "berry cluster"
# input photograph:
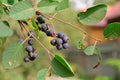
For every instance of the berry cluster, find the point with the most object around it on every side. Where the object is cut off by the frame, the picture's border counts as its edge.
(61, 41)
(30, 49)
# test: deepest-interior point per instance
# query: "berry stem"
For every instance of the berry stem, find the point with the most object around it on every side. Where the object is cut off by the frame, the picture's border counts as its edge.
(25, 40)
(68, 23)
(22, 28)
(52, 25)
(83, 37)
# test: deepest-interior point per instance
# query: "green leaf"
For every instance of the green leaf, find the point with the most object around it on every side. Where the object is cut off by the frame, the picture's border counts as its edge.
(5, 30)
(42, 74)
(93, 15)
(61, 67)
(6, 10)
(63, 5)
(55, 0)
(13, 55)
(46, 6)
(6, 23)
(1, 8)
(22, 10)
(90, 50)
(112, 30)
(10, 1)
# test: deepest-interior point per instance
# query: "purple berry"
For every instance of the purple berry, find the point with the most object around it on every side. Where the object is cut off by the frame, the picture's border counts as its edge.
(59, 41)
(40, 20)
(53, 42)
(60, 35)
(29, 49)
(51, 33)
(65, 39)
(26, 59)
(30, 42)
(59, 47)
(44, 27)
(65, 46)
(33, 57)
(30, 34)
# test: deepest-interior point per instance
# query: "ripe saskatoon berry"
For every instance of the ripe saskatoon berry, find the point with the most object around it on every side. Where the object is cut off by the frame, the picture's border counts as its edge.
(40, 20)
(33, 57)
(44, 27)
(65, 46)
(53, 42)
(29, 49)
(26, 59)
(30, 42)
(59, 47)
(30, 34)
(65, 39)
(51, 33)
(59, 41)
(60, 35)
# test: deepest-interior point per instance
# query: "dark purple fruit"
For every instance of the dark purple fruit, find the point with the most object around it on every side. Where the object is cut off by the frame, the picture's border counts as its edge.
(29, 49)
(59, 41)
(33, 57)
(30, 42)
(60, 35)
(59, 47)
(44, 27)
(30, 34)
(40, 20)
(53, 42)
(50, 33)
(26, 59)
(65, 39)
(65, 46)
